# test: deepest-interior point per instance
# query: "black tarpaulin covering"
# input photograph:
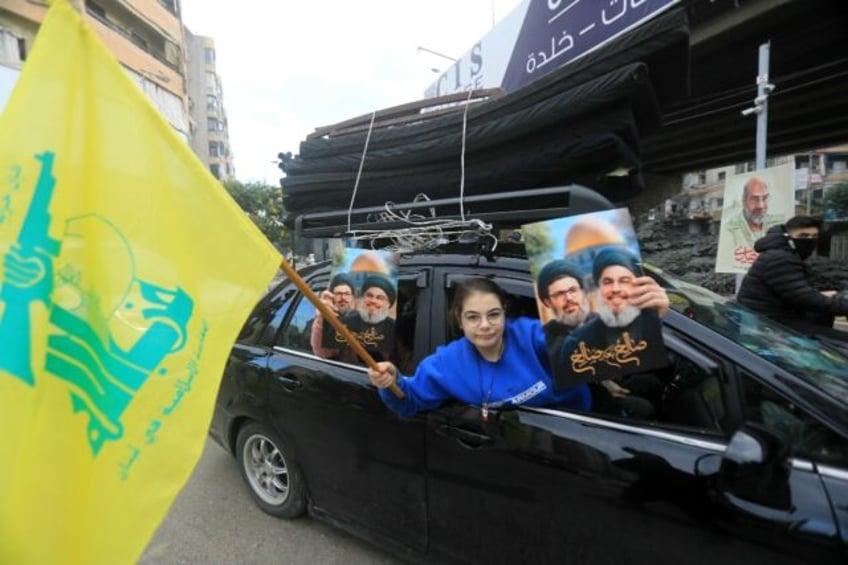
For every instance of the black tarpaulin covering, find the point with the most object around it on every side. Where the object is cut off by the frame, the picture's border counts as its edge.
(808, 64)
(569, 109)
(574, 125)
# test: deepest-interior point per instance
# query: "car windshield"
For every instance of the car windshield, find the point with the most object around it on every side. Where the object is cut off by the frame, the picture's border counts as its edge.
(820, 366)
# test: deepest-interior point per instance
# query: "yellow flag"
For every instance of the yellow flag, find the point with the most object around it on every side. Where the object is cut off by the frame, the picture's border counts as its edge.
(127, 271)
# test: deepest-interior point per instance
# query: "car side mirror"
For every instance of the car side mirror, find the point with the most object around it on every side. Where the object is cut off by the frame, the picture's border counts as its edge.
(755, 468)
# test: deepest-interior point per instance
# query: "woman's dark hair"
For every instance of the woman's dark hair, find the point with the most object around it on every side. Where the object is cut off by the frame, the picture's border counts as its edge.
(471, 286)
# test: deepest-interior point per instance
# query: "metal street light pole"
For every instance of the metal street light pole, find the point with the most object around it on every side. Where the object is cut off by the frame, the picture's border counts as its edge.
(764, 88)
(760, 108)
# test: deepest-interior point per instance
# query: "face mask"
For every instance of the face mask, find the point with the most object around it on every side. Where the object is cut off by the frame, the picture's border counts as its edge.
(804, 247)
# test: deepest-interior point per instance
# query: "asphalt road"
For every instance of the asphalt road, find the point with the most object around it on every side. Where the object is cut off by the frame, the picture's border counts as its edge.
(214, 521)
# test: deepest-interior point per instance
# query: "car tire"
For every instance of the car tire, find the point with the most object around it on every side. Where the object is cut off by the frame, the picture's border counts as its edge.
(270, 471)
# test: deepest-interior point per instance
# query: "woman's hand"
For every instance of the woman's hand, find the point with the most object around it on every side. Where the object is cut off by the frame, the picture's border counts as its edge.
(646, 293)
(385, 375)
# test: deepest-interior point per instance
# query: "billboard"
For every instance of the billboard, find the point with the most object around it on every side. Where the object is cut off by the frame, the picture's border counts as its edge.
(540, 36)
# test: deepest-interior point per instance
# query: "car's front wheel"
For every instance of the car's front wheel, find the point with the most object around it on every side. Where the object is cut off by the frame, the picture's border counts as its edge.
(270, 471)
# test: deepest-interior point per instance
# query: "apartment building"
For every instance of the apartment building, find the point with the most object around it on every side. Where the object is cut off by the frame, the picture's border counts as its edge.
(144, 35)
(173, 67)
(702, 196)
(816, 172)
(19, 21)
(209, 128)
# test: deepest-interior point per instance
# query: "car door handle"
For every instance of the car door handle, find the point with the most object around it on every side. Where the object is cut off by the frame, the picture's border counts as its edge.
(288, 382)
(466, 438)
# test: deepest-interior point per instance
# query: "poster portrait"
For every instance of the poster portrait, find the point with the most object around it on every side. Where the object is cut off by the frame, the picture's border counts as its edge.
(583, 267)
(363, 289)
(753, 203)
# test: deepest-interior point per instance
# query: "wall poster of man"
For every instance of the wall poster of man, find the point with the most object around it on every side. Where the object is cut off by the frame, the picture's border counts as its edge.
(584, 267)
(753, 203)
(363, 284)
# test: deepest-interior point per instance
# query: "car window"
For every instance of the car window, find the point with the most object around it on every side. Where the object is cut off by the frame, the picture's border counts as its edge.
(824, 368)
(684, 394)
(692, 395)
(265, 319)
(645, 401)
(297, 333)
(805, 436)
(298, 330)
(290, 326)
(407, 307)
(520, 301)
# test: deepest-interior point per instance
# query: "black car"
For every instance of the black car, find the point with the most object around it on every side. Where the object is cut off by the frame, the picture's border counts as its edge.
(745, 461)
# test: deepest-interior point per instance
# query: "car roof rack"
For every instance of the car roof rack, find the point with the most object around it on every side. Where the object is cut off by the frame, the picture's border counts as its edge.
(503, 210)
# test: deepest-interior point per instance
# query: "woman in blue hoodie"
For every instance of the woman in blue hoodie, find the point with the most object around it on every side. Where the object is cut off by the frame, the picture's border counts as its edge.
(497, 363)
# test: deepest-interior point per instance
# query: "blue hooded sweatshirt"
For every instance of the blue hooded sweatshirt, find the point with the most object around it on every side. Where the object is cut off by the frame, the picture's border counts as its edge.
(457, 371)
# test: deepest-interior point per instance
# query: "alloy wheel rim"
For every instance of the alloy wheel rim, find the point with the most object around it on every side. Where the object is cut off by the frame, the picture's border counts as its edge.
(266, 469)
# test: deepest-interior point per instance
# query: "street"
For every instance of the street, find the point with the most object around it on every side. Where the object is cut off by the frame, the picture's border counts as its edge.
(214, 521)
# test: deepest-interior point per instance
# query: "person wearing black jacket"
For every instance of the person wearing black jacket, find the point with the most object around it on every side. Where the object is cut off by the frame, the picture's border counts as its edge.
(779, 283)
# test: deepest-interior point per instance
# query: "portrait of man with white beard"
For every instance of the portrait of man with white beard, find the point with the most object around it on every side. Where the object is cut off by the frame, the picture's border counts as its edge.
(754, 202)
(599, 312)
(363, 295)
(371, 322)
(614, 288)
(623, 334)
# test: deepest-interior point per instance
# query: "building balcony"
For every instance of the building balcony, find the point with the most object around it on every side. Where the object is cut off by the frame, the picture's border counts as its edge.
(130, 51)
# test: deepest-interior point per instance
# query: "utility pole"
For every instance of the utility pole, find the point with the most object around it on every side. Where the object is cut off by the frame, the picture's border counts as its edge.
(764, 88)
(760, 108)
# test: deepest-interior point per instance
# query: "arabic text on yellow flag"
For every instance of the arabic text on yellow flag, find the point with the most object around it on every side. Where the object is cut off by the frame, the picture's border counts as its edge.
(126, 274)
